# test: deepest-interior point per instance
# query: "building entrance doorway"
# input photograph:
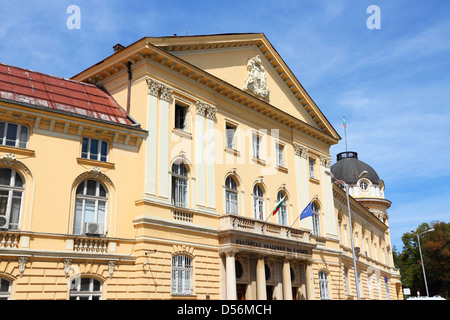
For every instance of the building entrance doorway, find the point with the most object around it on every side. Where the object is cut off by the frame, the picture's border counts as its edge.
(269, 292)
(240, 290)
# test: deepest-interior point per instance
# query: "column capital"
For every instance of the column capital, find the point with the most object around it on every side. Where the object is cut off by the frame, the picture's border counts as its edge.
(325, 161)
(300, 150)
(165, 93)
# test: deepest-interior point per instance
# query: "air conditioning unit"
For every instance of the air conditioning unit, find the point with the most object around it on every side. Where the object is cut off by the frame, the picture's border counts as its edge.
(93, 228)
(4, 223)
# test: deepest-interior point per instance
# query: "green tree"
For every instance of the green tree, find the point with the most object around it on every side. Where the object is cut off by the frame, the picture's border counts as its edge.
(436, 258)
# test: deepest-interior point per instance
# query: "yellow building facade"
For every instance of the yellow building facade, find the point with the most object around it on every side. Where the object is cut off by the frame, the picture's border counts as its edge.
(168, 192)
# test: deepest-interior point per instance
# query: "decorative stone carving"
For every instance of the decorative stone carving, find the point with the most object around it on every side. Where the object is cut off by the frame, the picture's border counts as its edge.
(206, 110)
(201, 108)
(153, 87)
(325, 161)
(300, 150)
(165, 93)
(67, 266)
(211, 112)
(256, 81)
(22, 265)
(111, 266)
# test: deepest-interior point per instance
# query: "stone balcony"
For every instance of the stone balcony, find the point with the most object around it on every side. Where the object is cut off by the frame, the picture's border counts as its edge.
(260, 228)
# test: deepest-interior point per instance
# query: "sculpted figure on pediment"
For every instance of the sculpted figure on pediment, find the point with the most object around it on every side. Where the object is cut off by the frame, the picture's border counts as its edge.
(256, 79)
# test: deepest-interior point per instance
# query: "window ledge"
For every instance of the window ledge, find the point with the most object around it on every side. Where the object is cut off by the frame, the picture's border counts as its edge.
(314, 180)
(259, 160)
(96, 163)
(14, 150)
(232, 151)
(182, 133)
(282, 169)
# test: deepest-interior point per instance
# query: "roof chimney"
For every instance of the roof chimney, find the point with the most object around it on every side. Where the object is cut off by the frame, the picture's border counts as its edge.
(118, 47)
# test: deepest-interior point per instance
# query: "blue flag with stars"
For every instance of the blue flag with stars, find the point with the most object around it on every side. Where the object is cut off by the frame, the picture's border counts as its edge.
(307, 212)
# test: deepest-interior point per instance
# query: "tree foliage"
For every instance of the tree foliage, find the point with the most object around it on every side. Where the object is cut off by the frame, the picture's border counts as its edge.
(436, 257)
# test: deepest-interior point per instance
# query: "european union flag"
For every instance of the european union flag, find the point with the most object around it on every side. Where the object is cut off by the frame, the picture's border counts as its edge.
(307, 212)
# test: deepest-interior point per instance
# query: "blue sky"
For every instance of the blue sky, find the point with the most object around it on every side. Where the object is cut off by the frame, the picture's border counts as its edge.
(392, 84)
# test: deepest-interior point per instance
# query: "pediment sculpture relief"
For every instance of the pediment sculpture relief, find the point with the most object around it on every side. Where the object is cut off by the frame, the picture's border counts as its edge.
(256, 79)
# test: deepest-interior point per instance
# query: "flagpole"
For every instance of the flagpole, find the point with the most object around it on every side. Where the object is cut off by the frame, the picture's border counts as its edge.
(345, 134)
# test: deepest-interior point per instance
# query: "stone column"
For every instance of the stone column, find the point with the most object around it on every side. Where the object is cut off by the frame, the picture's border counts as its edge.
(231, 276)
(260, 279)
(309, 282)
(287, 285)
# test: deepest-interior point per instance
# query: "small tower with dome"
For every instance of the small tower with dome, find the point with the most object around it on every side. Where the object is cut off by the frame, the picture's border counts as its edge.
(367, 189)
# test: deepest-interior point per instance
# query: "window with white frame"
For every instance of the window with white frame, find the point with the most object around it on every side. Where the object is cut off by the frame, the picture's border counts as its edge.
(180, 185)
(5, 289)
(282, 217)
(323, 285)
(258, 202)
(256, 146)
(85, 289)
(230, 132)
(180, 117)
(13, 135)
(231, 196)
(11, 192)
(279, 154)
(90, 206)
(94, 149)
(312, 164)
(315, 219)
(181, 275)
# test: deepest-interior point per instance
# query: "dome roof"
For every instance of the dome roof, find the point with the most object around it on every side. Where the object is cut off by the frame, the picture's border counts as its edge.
(348, 168)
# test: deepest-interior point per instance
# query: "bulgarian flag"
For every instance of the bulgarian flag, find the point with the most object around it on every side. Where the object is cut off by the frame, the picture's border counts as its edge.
(345, 124)
(278, 206)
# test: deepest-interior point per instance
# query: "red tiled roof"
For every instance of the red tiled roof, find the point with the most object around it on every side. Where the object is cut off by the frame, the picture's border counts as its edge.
(79, 98)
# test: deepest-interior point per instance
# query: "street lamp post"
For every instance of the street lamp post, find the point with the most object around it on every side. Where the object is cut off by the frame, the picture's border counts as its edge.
(420, 251)
(358, 293)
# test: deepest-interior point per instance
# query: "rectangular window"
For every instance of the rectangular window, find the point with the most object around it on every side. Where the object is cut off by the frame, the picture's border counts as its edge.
(230, 132)
(256, 146)
(312, 163)
(180, 117)
(94, 149)
(13, 135)
(279, 151)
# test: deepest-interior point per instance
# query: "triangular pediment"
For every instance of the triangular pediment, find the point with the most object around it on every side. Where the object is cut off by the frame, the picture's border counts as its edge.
(231, 57)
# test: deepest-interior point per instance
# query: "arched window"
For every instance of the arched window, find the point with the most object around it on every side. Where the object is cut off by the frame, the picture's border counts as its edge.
(181, 275)
(11, 191)
(258, 202)
(5, 289)
(315, 219)
(179, 185)
(90, 208)
(85, 289)
(231, 196)
(282, 217)
(323, 285)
